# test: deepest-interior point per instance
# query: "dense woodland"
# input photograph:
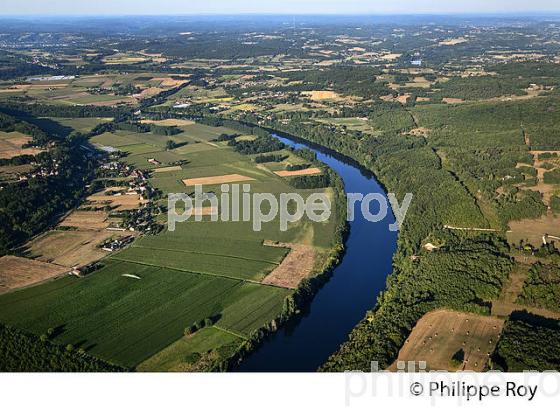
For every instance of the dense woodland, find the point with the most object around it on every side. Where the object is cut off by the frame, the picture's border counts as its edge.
(61, 174)
(23, 352)
(528, 342)
(542, 287)
(464, 275)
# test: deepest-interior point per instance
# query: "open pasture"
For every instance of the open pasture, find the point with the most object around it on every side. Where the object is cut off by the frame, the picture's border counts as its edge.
(193, 353)
(208, 263)
(83, 125)
(207, 239)
(533, 230)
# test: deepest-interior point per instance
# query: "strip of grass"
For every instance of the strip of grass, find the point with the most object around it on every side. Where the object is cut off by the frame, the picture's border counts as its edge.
(208, 264)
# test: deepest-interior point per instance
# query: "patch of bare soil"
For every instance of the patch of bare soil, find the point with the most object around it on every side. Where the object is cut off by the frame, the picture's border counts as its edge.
(297, 265)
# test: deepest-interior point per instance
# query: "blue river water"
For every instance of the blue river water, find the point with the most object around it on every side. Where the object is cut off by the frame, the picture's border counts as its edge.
(306, 343)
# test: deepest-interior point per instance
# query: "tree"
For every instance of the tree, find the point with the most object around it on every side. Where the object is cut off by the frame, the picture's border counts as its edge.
(170, 144)
(458, 358)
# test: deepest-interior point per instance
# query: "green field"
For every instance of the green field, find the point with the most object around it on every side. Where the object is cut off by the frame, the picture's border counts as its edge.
(201, 270)
(211, 343)
(126, 320)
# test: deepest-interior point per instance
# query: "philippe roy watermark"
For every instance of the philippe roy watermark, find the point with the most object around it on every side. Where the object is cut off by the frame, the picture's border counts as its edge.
(236, 203)
(413, 380)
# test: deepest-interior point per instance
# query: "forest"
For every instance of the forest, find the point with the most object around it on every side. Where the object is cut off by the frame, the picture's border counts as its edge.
(542, 287)
(23, 352)
(463, 275)
(527, 343)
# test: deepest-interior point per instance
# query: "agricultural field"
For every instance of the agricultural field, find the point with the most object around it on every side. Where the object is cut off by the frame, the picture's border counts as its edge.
(429, 108)
(16, 272)
(126, 320)
(106, 90)
(135, 309)
(11, 145)
(439, 336)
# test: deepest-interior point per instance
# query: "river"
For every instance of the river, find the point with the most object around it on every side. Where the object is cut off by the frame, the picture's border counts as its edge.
(306, 343)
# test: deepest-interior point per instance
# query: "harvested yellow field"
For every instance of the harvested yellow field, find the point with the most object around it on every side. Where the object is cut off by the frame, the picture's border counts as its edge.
(119, 202)
(390, 57)
(297, 265)
(420, 132)
(168, 169)
(453, 41)
(71, 248)
(453, 100)
(307, 171)
(170, 122)
(206, 211)
(169, 82)
(440, 334)
(322, 95)
(86, 220)
(11, 145)
(16, 272)
(219, 179)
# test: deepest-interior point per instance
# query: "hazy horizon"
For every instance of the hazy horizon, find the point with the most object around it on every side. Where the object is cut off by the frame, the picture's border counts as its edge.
(290, 7)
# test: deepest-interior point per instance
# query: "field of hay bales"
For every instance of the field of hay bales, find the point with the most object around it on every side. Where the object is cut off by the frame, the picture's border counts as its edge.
(440, 335)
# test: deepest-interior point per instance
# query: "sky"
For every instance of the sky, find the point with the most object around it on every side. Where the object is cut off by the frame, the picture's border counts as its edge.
(181, 7)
